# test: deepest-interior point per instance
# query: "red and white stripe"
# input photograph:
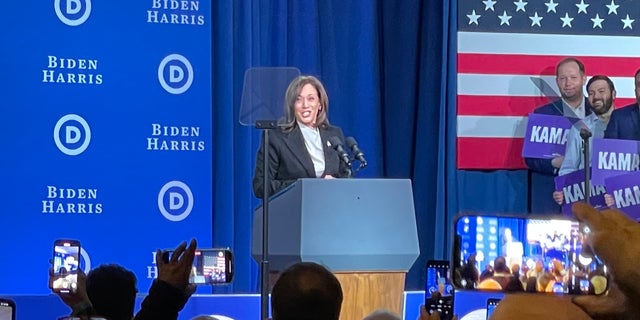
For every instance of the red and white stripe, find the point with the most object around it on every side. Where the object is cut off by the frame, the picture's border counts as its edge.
(499, 80)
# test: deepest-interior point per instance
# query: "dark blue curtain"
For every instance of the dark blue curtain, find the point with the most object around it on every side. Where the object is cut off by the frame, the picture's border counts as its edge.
(389, 69)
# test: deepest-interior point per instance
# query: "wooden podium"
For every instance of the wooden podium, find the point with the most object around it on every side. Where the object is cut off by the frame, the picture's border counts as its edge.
(363, 230)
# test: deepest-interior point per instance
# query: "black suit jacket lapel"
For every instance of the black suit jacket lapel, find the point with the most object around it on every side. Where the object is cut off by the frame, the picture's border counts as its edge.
(295, 143)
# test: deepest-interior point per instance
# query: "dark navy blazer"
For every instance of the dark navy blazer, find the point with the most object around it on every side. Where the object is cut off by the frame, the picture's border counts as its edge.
(624, 123)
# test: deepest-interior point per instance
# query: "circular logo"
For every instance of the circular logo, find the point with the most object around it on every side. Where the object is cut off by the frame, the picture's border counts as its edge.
(76, 135)
(72, 12)
(175, 73)
(87, 261)
(179, 199)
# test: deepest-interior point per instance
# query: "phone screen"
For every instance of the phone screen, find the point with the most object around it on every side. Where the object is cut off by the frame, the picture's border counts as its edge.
(523, 254)
(7, 310)
(492, 303)
(66, 261)
(438, 278)
(443, 305)
(210, 266)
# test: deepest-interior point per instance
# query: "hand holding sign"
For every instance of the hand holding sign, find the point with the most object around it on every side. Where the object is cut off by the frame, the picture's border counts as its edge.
(625, 191)
(572, 187)
(546, 136)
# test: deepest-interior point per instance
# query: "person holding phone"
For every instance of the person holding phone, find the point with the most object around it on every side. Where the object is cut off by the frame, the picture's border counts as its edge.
(66, 257)
(425, 315)
(110, 290)
(615, 238)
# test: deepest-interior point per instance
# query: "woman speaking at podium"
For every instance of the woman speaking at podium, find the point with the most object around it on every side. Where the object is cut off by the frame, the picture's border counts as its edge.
(301, 148)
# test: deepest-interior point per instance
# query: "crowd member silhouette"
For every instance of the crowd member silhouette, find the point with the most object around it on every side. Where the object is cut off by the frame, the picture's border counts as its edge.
(501, 272)
(306, 291)
(517, 279)
(469, 272)
(110, 290)
(302, 148)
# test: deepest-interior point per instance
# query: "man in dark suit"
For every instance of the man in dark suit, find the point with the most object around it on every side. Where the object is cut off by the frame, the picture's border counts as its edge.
(302, 148)
(625, 122)
(570, 78)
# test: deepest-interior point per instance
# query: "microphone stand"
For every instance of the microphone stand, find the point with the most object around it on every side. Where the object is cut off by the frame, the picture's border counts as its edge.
(585, 135)
(266, 126)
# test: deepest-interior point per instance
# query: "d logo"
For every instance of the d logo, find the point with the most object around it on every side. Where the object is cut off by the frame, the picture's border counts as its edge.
(75, 141)
(175, 74)
(179, 198)
(72, 12)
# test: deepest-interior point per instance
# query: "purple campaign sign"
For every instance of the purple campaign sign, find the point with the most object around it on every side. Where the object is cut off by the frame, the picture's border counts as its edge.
(545, 136)
(613, 157)
(572, 187)
(625, 190)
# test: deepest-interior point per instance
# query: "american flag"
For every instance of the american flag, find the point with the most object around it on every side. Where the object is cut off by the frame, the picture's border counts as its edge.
(507, 52)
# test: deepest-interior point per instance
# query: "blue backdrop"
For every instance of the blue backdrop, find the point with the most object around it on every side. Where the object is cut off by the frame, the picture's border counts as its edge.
(388, 66)
(106, 133)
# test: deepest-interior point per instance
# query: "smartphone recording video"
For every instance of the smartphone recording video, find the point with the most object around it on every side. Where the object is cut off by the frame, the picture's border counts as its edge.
(66, 261)
(438, 289)
(438, 278)
(210, 266)
(7, 309)
(518, 254)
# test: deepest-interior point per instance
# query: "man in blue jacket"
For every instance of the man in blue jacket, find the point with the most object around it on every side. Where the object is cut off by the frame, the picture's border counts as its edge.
(570, 78)
(625, 122)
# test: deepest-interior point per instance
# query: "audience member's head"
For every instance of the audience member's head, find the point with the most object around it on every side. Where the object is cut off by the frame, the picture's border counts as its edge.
(487, 273)
(112, 291)
(204, 317)
(515, 269)
(471, 260)
(382, 314)
(306, 291)
(546, 282)
(500, 265)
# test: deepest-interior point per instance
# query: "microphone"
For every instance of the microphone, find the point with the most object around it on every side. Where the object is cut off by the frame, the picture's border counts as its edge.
(336, 144)
(585, 133)
(357, 153)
